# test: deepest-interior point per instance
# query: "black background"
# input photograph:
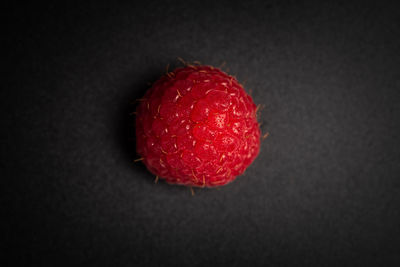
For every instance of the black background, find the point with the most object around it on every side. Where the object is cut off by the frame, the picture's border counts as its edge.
(323, 191)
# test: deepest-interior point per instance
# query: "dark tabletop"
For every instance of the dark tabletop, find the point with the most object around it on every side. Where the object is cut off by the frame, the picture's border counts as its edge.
(324, 189)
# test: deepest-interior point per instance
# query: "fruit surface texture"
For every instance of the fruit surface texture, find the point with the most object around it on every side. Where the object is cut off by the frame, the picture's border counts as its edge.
(196, 126)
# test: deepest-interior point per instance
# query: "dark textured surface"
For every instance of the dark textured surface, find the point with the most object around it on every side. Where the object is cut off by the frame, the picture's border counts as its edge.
(323, 191)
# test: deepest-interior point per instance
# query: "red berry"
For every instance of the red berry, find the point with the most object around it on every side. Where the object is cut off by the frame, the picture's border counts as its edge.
(196, 126)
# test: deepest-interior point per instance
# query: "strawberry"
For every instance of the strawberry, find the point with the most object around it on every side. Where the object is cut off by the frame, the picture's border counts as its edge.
(196, 126)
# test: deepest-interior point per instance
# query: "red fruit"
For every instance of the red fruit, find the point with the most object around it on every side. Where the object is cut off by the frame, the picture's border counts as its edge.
(196, 126)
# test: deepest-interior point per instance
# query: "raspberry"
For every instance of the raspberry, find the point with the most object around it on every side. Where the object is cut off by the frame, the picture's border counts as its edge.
(196, 126)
